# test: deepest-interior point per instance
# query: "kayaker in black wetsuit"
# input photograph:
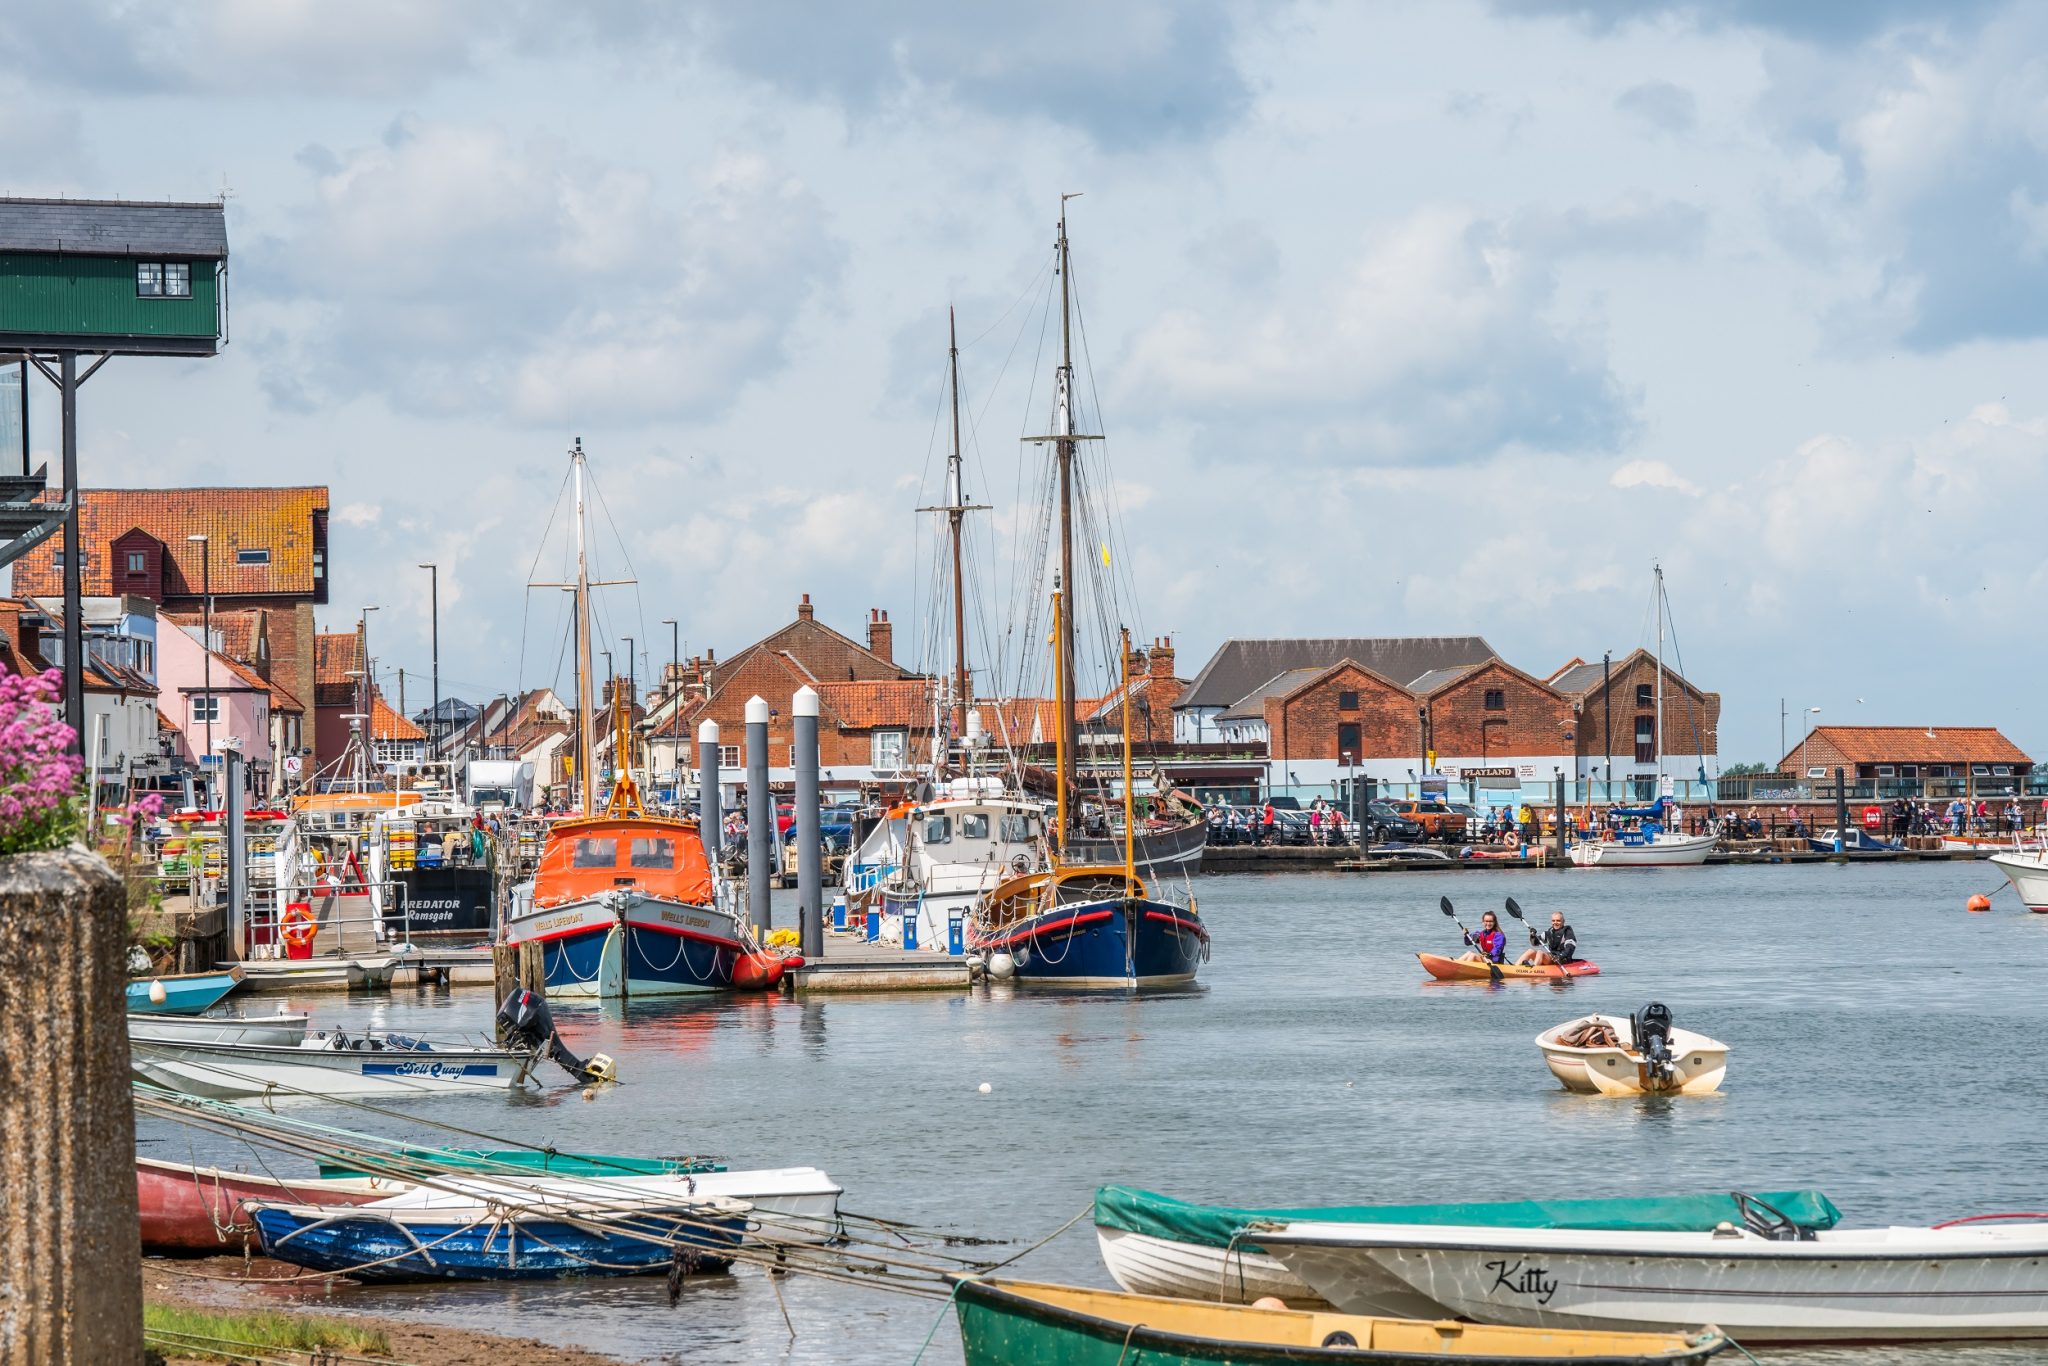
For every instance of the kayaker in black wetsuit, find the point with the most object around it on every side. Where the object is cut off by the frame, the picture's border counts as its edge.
(1555, 945)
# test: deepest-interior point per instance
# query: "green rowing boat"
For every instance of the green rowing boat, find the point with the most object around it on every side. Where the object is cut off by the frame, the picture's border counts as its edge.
(512, 1161)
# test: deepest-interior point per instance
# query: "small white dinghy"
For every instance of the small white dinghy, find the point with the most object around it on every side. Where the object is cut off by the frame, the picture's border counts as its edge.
(788, 1204)
(1633, 1055)
(327, 1063)
(280, 1030)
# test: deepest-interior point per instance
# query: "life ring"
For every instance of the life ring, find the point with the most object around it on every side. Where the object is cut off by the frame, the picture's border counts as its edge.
(1020, 863)
(299, 925)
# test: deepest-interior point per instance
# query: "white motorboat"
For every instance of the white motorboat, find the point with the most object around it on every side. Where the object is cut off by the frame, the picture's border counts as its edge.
(1768, 1281)
(328, 1063)
(790, 1204)
(284, 1030)
(1633, 1055)
(2028, 874)
(958, 847)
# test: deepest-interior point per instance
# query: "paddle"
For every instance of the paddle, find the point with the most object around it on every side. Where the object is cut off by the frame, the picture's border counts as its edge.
(1492, 968)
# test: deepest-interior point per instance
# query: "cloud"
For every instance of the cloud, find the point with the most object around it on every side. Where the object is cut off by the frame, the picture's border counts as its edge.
(451, 270)
(1435, 344)
(1665, 107)
(1653, 474)
(42, 148)
(1815, 21)
(1131, 75)
(358, 514)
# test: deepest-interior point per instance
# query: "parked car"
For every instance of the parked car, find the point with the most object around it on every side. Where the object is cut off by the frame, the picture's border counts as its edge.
(1383, 823)
(1437, 819)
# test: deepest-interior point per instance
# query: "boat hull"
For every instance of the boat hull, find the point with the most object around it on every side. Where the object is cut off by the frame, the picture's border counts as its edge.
(1860, 1285)
(187, 994)
(1108, 943)
(788, 1204)
(636, 946)
(1146, 1265)
(1445, 969)
(224, 1071)
(2028, 874)
(1666, 851)
(284, 1031)
(1017, 1323)
(200, 1210)
(480, 1243)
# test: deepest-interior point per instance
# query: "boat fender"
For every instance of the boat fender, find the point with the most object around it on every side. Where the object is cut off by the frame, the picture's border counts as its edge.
(756, 971)
(157, 994)
(1001, 966)
(1275, 1302)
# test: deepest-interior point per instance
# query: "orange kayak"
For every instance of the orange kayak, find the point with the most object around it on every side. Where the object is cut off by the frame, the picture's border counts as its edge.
(1463, 970)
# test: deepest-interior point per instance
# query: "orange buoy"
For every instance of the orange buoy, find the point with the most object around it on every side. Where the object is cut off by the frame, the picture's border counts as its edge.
(756, 971)
(1979, 902)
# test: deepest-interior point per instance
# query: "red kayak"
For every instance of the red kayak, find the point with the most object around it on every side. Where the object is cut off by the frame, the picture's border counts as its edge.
(1464, 970)
(199, 1209)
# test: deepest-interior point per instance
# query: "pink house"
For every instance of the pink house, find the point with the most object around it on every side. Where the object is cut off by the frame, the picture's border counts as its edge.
(237, 704)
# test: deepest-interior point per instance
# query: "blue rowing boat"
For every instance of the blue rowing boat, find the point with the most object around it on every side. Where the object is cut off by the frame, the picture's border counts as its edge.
(190, 993)
(550, 1240)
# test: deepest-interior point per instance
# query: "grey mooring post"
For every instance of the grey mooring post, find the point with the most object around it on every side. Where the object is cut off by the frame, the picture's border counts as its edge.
(232, 834)
(709, 817)
(810, 871)
(1841, 811)
(760, 815)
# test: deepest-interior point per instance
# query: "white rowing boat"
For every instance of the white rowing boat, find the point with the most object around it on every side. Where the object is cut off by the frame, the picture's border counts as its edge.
(281, 1029)
(327, 1064)
(1840, 1285)
(790, 1204)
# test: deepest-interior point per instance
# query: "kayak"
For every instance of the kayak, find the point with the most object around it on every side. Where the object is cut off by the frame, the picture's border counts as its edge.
(1463, 970)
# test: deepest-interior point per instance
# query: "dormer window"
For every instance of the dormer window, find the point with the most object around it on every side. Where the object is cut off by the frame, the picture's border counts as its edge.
(138, 563)
(163, 279)
(253, 555)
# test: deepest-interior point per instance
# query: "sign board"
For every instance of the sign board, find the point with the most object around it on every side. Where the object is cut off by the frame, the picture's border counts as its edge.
(1504, 772)
(293, 764)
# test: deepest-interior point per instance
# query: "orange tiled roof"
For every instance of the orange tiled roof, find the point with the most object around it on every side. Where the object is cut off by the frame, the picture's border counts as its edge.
(1920, 744)
(248, 676)
(336, 655)
(881, 703)
(386, 724)
(279, 520)
(281, 698)
(236, 630)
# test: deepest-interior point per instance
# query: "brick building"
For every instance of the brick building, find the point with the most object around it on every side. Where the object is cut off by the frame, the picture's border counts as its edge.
(1925, 763)
(266, 549)
(1615, 722)
(1243, 667)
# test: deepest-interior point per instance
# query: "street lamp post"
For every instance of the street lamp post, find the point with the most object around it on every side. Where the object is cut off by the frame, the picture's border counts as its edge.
(434, 616)
(206, 646)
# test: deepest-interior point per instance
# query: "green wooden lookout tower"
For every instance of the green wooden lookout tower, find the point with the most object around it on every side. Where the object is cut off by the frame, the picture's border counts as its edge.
(94, 278)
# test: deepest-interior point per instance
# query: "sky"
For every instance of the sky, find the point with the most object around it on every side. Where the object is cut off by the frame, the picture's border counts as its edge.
(1401, 318)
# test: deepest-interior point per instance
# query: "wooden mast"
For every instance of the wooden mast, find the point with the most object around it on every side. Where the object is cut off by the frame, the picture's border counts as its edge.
(1130, 801)
(1063, 429)
(1059, 732)
(584, 720)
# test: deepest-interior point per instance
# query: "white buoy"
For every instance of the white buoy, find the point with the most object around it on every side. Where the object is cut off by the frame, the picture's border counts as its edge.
(157, 994)
(1001, 965)
(986, 1088)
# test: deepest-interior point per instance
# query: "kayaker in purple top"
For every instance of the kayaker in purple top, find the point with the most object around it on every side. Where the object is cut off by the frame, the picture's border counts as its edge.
(1490, 945)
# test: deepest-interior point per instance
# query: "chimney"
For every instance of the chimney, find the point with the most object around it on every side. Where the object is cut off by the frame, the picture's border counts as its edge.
(881, 635)
(803, 609)
(1162, 657)
(1134, 666)
(1163, 690)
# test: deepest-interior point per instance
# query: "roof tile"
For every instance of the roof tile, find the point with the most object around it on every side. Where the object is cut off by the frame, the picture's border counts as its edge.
(277, 520)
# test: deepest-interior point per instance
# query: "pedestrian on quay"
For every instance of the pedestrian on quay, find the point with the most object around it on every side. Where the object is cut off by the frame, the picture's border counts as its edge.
(1266, 827)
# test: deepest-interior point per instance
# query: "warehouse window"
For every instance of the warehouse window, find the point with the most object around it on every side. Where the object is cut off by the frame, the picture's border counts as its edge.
(1646, 696)
(1347, 701)
(1496, 699)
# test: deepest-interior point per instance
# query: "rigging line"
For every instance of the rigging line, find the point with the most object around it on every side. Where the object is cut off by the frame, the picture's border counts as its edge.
(539, 549)
(974, 417)
(1691, 708)
(1115, 533)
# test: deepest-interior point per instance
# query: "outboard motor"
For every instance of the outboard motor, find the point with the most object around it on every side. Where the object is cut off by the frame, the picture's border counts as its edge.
(1652, 1026)
(525, 1023)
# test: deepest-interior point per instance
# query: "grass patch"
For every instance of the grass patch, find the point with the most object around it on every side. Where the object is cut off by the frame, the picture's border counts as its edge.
(185, 1332)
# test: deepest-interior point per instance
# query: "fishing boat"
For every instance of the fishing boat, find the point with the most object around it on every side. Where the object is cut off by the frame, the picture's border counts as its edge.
(1763, 1279)
(280, 1029)
(1084, 922)
(2028, 874)
(958, 846)
(1023, 1323)
(1446, 969)
(625, 903)
(1633, 1055)
(536, 1238)
(1157, 1245)
(328, 1063)
(187, 993)
(1853, 840)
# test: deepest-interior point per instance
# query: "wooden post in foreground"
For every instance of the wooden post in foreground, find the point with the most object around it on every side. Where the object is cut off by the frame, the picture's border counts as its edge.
(70, 1248)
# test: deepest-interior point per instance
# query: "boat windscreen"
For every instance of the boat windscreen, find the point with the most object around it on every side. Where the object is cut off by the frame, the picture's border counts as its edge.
(595, 853)
(653, 851)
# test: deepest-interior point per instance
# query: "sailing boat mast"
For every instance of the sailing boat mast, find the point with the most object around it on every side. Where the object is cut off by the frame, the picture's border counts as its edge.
(586, 747)
(1063, 429)
(956, 510)
(1658, 570)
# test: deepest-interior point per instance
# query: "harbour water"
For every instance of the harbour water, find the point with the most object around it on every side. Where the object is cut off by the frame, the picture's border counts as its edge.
(1883, 1051)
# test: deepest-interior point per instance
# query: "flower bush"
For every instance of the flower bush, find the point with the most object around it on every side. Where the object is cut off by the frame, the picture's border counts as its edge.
(39, 775)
